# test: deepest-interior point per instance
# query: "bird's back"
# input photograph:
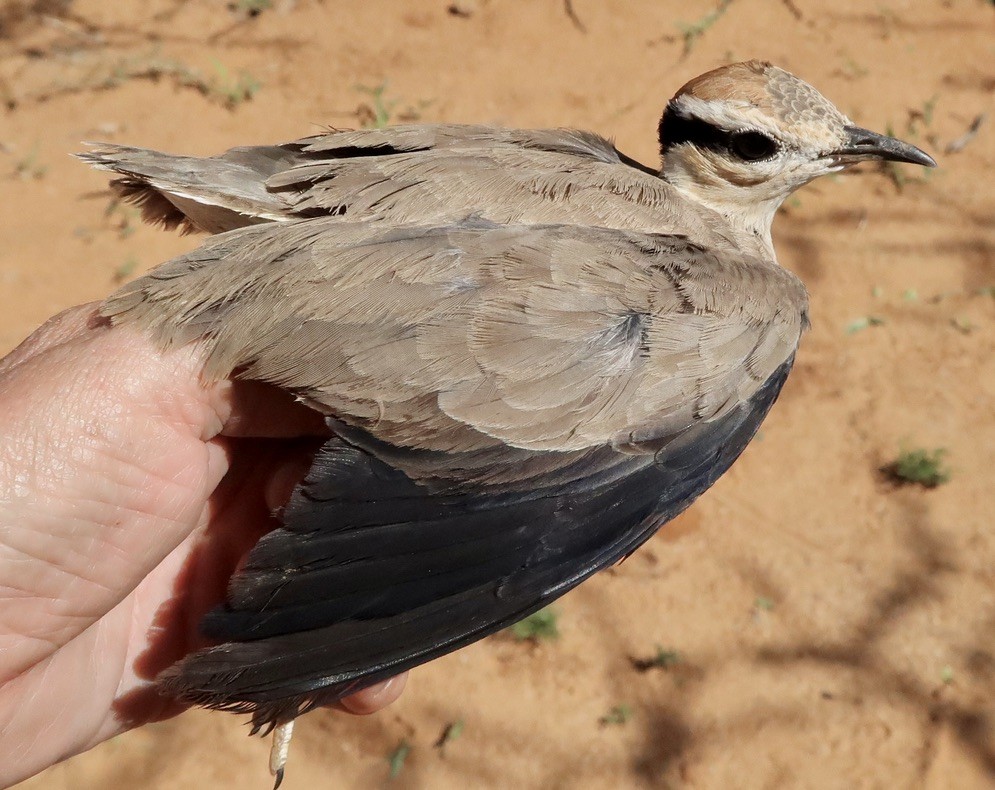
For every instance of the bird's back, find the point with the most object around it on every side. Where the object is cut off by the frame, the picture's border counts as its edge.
(418, 174)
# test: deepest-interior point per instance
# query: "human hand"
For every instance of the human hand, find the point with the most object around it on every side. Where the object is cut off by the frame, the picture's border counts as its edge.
(129, 492)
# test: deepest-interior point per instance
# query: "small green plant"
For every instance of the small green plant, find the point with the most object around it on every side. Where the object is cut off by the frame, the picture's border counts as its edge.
(450, 733)
(125, 215)
(222, 87)
(397, 757)
(616, 715)
(123, 271)
(763, 603)
(231, 90)
(662, 659)
(253, 7)
(29, 167)
(539, 626)
(862, 323)
(920, 467)
(947, 675)
(962, 324)
(379, 112)
(897, 172)
(922, 117)
(892, 169)
(853, 70)
(692, 31)
(888, 17)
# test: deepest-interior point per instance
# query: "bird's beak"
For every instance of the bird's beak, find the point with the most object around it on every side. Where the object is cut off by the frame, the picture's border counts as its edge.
(863, 144)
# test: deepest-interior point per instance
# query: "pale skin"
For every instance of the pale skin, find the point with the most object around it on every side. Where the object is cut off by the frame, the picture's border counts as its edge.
(129, 491)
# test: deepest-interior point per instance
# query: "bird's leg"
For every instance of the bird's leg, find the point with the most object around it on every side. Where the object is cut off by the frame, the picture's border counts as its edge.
(279, 751)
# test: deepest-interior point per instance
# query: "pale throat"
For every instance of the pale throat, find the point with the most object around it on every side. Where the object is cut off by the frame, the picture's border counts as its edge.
(750, 210)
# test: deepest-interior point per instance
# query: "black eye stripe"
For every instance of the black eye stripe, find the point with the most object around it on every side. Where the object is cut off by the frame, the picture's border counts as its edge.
(677, 129)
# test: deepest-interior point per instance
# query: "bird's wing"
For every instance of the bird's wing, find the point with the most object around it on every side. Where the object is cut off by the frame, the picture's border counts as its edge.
(515, 408)
(472, 334)
(426, 174)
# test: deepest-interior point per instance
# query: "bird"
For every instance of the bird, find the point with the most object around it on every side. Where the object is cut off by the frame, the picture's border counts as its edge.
(531, 351)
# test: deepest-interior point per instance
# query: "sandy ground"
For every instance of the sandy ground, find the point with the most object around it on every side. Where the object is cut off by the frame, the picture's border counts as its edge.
(832, 630)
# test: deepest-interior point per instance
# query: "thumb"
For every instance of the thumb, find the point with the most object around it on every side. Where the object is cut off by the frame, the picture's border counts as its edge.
(105, 468)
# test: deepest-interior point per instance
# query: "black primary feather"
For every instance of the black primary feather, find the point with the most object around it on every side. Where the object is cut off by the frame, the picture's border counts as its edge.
(373, 573)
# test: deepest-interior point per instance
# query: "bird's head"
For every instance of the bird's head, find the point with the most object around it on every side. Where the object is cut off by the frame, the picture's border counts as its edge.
(743, 137)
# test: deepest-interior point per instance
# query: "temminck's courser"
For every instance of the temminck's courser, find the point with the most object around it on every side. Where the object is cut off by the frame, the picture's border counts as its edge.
(531, 350)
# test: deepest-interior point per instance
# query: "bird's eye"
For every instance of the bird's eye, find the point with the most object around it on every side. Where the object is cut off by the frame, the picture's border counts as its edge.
(752, 146)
